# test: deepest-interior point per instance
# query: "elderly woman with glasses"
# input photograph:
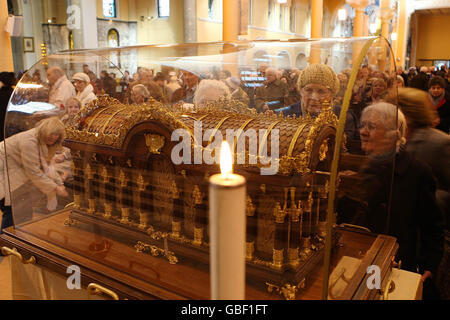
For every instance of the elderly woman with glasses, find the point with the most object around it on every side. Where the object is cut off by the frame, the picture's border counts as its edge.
(399, 191)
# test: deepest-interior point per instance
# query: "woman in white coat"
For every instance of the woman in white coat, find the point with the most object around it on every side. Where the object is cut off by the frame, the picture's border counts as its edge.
(85, 91)
(27, 175)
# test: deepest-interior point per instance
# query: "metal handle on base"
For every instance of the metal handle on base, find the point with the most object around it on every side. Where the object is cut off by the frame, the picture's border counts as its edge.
(96, 289)
(389, 289)
(13, 252)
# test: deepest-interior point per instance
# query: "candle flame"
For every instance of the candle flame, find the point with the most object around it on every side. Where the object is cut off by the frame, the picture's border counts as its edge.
(226, 166)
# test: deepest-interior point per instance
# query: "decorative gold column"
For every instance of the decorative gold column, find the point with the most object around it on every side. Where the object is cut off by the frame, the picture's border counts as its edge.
(358, 23)
(125, 208)
(278, 250)
(90, 189)
(143, 215)
(316, 29)
(251, 229)
(199, 216)
(108, 206)
(177, 216)
(6, 58)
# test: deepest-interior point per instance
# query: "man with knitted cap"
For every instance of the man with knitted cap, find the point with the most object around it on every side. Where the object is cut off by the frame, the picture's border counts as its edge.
(317, 83)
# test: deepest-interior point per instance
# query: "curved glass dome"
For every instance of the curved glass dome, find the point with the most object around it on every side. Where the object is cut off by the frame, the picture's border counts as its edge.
(137, 205)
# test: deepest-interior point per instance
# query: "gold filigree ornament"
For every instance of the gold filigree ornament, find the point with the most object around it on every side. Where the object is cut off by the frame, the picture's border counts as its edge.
(154, 143)
(155, 251)
(174, 190)
(288, 291)
(141, 182)
(69, 222)
(323, 150)
(250, 207)
(197, 195)
(279, 213)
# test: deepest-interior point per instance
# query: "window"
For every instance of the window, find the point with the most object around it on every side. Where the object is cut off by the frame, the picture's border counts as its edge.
(293, 18)
(250, 12)
(269, 12)
(211, 9)
(215, 10)
(109, 8)
(163, 8)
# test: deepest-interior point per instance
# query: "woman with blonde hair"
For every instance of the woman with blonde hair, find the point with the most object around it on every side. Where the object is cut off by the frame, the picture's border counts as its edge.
(73, 106)
(26, 173)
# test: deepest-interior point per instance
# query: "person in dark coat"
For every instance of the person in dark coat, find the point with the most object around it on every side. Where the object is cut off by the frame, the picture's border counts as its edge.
(272, 94)
(420, 81)
(411, 74)
(440, 100)
(432, 147)
(400, 193)
(107, 84)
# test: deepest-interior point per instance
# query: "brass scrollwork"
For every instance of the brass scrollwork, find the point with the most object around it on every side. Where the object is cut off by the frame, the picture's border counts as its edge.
(279, 213)
(250, 207)
(323, 150)
(155, 251)
(288, 291)
(197, 195)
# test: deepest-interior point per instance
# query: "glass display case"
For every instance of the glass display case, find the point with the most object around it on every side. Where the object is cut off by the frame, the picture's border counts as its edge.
(118, 184)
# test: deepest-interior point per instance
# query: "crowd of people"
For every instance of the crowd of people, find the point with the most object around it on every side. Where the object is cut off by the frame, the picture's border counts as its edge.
(399, 118)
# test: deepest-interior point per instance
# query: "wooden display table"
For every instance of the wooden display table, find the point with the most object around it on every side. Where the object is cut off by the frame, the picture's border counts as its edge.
(119, 267)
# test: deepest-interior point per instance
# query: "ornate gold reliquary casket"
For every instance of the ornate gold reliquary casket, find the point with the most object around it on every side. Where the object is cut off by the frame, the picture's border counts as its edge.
(128, 186)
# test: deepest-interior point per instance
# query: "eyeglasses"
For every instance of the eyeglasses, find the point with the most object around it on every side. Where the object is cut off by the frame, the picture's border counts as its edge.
(370, 126)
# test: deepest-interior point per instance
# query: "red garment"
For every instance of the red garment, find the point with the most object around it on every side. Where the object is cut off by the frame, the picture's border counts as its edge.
(441, 103)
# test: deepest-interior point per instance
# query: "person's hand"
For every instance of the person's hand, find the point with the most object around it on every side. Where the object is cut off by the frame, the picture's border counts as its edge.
(427, 274)
(61, 191)
(265, 107)
(59, 158)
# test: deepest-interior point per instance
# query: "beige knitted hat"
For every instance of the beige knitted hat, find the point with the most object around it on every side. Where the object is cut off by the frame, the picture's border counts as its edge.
(319, 74)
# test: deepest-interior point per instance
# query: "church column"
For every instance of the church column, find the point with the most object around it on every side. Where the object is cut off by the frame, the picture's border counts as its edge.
(402, 29)
(316, 29)
(190, 21)
(359, 21)
(83, 15)
(230, 32)
(386, 15)
(6, 59)
(231, 23)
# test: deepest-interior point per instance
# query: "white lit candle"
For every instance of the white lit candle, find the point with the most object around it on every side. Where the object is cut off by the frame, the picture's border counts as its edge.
(227, 223)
